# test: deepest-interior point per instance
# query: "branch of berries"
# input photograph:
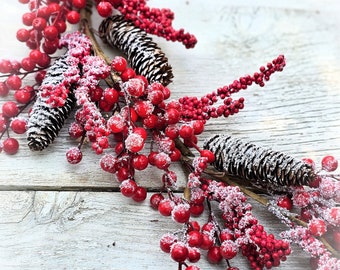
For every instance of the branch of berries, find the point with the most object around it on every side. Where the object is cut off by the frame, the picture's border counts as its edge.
(152, 20)
(315, 202)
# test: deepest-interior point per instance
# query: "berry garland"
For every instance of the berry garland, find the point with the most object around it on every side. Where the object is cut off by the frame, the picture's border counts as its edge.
(135, 104)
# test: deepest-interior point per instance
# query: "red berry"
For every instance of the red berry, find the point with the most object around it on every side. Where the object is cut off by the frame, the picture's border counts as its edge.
(27, 64)
(13, 82)
(110, 96)
(208, 154)
(228, 249)
(162, 161)
(214, 255)
(60, 25)
(167, 241)
(329, 163)
(285, 202)
(104, 9)
(35, 56)
(39, 23)
(51, 32)
(155, 97)
(79, 3)
(10, 109)
(108, 162)
(119, 63)
(10, 146)
(196, 209)
(140, 162)
(116, 123)
(207, 241)
(195, 239)
(179, 252)
(74, 155)
(4, 90)
(165, 207)
(198, 127)
(18, 125)
(134, 87)
(3, 123)
(181, 213)
(143, 108)
(23, 95)
(27, 18)
(128, 74)
(186, 132)
(155, 199)
(134, 142)
(128, 188)
(23, 35)
(140, 194)
(317, 227)
(122, 174)
(194, 254)
(172, 116)
(73, 17)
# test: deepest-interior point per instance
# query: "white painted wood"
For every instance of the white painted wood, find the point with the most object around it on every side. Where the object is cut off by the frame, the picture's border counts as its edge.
(296, 112)
(89, 230)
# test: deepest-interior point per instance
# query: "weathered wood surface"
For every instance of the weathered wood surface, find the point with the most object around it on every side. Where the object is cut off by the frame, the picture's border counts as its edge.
(297, 112)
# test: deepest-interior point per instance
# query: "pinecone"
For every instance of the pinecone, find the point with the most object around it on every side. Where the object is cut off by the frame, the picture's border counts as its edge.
(45, 121)
(144, 55)
(257, 164)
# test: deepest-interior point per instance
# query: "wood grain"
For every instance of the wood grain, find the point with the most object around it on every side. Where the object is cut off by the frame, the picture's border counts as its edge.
(43, 226)
(89, 230)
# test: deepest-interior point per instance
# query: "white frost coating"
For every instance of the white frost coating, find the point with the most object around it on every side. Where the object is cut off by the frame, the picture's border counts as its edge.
(133, 140)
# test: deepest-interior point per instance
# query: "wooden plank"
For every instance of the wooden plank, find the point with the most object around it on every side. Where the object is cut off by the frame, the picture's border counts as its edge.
(88, 230)
(297, 112)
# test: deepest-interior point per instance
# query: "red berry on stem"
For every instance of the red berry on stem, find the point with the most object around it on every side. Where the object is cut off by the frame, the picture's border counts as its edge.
(155, 199)
(317, 227)
(140, 194)
(51, 32)
(128, 74)
(74, 155)
(214, 255)
(285, 202)
(140, 162)
(13, 82)
(181, 213)
(22, 96)
(165, 207)
(23, 35)
(10, 109)
(228, 249)
(329, 163)
(104, 9)
(10, 146)
(195, 238)
(18, 125)
(79, 3)
(194, 254)
(4, 90)
(128, 188)
(119, 63)
(167, 240)
(73, 17)
(179, 252)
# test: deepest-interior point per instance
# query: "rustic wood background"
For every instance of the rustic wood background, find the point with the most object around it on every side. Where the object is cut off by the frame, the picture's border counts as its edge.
(58, 216)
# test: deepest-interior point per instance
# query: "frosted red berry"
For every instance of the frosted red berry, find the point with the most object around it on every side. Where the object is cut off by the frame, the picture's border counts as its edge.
(329, 163)
(181, 213)
(165, 207)
(13, 82)
(74, 155)
(119, 63)
(285, 202)
(195, 238)
(128, 188)
(179, 252)
(167, 240)
(228, 249)
(73, 17)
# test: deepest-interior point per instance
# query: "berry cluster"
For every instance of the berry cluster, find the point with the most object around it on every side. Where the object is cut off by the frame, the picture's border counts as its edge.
(318, 206)
(152, 20)
(203, 109)
(240, 233)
